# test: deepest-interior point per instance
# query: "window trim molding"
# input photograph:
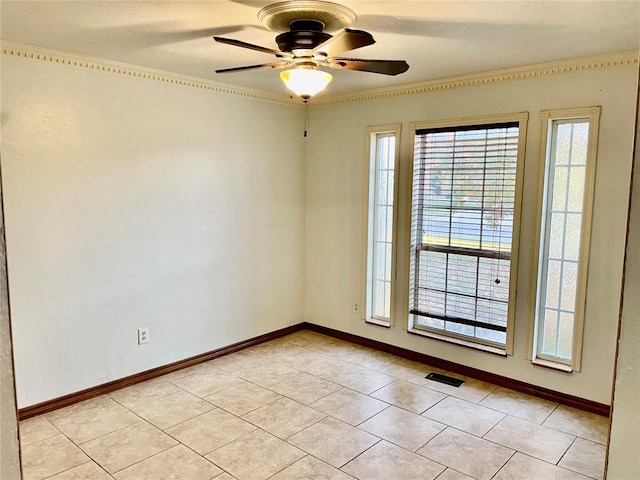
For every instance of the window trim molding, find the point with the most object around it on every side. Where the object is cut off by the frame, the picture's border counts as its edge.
(459, 340)
(591, 113)
(522, 118)
(370, 149)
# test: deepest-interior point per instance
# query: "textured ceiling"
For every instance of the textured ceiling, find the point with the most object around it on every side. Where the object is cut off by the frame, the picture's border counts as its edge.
(437, 38)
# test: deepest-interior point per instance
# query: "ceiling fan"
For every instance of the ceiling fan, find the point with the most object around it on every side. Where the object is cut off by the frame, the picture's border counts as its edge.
(305, 46)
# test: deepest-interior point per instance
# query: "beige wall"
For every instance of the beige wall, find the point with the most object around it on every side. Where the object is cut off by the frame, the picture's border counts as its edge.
(132, 203)
(624, 441)
(334, 228)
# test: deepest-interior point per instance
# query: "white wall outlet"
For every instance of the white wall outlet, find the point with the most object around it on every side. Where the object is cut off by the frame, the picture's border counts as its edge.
(356, 308)
(143, 335)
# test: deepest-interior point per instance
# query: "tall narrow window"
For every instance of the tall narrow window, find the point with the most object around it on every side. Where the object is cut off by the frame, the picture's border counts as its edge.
(465, 217)
(569, 144)
(380, 252)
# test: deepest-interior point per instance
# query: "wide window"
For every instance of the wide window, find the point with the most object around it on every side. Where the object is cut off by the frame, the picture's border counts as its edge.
(464, 229)
(381, 189)
(568, 146)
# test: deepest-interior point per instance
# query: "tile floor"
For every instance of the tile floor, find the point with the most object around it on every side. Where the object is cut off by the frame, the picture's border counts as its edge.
(307, 406)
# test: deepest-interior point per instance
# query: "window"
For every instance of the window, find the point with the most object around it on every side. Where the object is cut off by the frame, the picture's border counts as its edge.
(381, 188)
(568, 149)
(464, 229)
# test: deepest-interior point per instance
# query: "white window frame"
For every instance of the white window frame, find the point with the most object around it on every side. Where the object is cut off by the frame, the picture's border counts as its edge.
(450, 337)
(547, 119)
(370, 191)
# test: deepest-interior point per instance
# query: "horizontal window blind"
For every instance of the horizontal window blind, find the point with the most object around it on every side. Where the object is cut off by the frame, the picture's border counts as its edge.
(464, 186)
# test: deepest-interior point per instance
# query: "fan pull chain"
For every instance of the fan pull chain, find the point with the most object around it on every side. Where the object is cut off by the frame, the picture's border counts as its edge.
(306, 118)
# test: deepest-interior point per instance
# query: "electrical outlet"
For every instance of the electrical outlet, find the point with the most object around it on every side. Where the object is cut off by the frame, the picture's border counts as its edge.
(356, 308)
(143, 335)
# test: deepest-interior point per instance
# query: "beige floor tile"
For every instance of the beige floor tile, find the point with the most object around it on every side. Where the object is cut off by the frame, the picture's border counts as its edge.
(172, 409)
(472, 390)
(266, 375)
(36, 429)
(305, 338)
(305, 388)
(523, 467)
(207, 382)
(86, 471)
(319, 337)
(275, 347)
(333, 441)
(292, 356)
(299, 358)
(349, 406)
(579, 423)
(323, 366)
(143, 392)
(372, 359)
(311, 468)
(209, 431)
(519, 405)
(410, 371)
(288, 344)
(467, 453)
(235, 362)
(94, 421)
(360, 379)
(50, 456)
(176, 463)
(287, 348)
(242, 398)
(403, 428)
(585, 457)
(200, 368)
(284, 417)
(312, 371)
(335, 348)
(530, 438)
(409, 396)
(299, 339)
(465, 416)
(255, 456)
(451, 474)
(385, 460)
(114, 451)
(78, 407)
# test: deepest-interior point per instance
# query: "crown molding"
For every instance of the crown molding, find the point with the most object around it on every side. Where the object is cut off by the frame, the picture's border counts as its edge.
(30, 52)
(600, 62)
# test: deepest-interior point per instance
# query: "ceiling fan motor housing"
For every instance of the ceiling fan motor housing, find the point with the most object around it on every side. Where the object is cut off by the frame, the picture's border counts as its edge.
(305, 46)
(304, 34)
(333, 17)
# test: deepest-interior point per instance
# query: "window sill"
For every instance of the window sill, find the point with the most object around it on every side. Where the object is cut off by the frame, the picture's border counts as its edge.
(561, 367)
(457, 341)
(378, 322)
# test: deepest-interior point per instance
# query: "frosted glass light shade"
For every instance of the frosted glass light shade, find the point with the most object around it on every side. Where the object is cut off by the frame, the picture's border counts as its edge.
(305, 82)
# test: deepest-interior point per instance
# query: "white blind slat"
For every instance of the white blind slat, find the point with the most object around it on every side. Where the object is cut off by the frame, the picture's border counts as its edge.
(462, 227)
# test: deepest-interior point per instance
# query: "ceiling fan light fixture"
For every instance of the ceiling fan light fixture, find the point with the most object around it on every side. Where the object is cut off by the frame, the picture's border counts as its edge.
(305, 82)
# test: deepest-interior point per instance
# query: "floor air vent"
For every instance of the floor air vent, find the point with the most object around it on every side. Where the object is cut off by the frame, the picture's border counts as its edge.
(438, 377)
